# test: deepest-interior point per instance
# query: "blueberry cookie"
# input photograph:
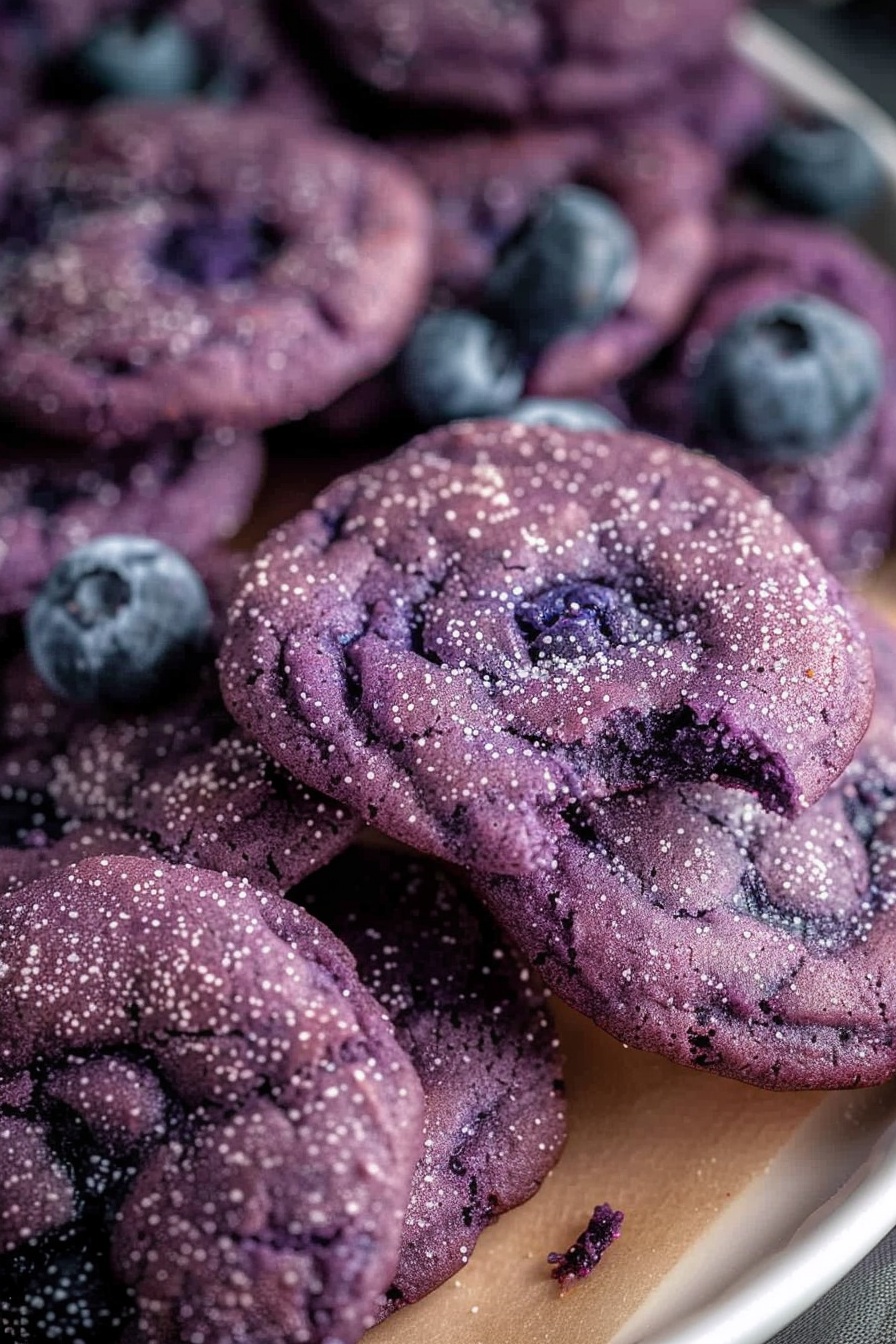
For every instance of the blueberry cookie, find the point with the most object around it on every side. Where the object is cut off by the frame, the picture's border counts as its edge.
(191, 264)
(77, 52)
(177, 780)
(726, 103)
(179, 1159)
(467, 638)
(475, 1024)
(565, 58)
(692, 922)
(187, 491)
(500, 220)
(795, 394)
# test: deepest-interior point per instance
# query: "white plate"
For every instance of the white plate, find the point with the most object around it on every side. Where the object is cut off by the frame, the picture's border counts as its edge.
(830, 1196)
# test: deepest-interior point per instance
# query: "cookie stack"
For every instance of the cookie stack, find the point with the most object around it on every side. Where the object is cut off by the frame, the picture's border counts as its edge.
(293, 846)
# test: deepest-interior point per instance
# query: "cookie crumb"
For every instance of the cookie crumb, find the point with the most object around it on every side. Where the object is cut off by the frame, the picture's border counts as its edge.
(583, 1257)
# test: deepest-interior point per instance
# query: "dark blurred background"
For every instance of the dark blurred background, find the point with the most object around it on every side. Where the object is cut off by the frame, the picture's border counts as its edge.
(857, 36)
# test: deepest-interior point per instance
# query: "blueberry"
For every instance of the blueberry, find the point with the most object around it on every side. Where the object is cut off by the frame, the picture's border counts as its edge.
(816, 167)
(574, 415)
(571, 265)
(581, 620)
(117, 621)
(158, 59)
(459, 365)
(788, 379)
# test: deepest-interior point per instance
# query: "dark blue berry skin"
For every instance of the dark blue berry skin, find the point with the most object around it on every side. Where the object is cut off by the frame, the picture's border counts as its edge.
(158, 60)
(816, 167)
(570, 266)
(458, 365)
(562, 414)
(218, 250)
(788, 380)
(117, 622)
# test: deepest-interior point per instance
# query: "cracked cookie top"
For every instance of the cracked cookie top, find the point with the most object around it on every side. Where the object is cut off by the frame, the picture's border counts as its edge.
(524, 58)
(500, 620)
(690, 921)
(193, 263)
(474, 1021)
(206, 1124)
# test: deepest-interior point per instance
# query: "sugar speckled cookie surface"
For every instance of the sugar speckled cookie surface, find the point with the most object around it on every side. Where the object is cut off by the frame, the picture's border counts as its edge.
(209, 1130)
(844, 500)
(188, 492)
(170, 265)
(691, 922)
(473, 1020)
(564, 58)
(464, 639)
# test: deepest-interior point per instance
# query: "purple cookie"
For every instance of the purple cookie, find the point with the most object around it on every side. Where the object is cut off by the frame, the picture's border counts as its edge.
(57, 52)
(691, 922)
(209, 1129)
(565, 58)
(665, 182)
(180, 782)
(477, 1029)
(843, 501)
(467, 638)
(187, 492)
(177, 265)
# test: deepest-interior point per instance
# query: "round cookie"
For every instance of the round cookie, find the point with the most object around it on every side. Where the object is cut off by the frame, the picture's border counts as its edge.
(843, 500)
(179, 782)
(464, 639)
(189, 492)
(691, 922)
(485, 184)
(179, 1160)
(565, 58)
(476, 1027)
(74, 52)
(182, 264)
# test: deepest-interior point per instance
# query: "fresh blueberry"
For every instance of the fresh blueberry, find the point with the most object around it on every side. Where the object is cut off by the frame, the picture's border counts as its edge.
(571, 265)
(788, 379)
(117, 621)
(158, 59)
(459, 365)
(816, 167)
(218, 249)
(561, 414)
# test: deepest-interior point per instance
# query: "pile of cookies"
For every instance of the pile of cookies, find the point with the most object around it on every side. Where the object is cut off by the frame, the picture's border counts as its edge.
(295, 842)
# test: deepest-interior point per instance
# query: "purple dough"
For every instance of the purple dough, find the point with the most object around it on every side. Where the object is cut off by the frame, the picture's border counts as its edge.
(475, 1024)
(244, 56)
(180, 782)
(666, 184)
(691, 922)
(209, 1129)
(180, 264)
(564, 58)
(187, 492)
(843, 501)
(463, 640)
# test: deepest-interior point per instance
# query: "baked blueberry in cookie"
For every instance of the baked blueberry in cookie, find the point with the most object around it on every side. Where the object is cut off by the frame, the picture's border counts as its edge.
(208, 1128)
(691, 921)
(474, 1022)
(231, 268)
(500, 619)
(786, 372)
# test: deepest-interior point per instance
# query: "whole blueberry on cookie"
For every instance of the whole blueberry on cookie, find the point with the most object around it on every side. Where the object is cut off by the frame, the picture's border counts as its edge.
(209, 1129)
(459, 365)
(464, 639)
(117, 621)
(691, 921)
(787, 371)
(789, 378)
(232, 267)
(187, 491)
(816, 166)
(474, 1021)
